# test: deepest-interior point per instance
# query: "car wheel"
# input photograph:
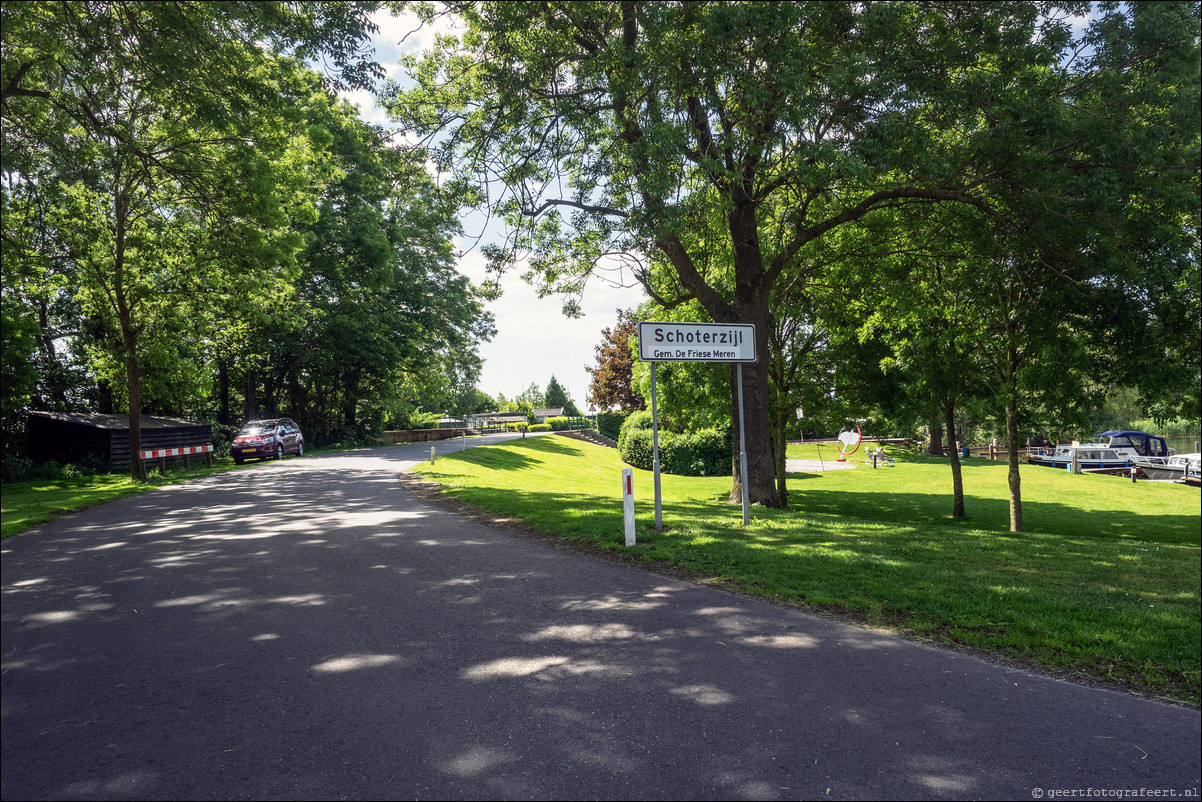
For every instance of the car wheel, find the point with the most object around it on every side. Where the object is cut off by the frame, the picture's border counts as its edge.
(279, 450)
(300, 448)
(238, 460)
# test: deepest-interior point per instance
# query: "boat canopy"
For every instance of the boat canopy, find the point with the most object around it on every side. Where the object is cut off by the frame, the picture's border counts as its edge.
(1146, 445)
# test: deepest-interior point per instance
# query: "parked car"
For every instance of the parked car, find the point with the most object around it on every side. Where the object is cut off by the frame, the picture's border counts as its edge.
(267, 439)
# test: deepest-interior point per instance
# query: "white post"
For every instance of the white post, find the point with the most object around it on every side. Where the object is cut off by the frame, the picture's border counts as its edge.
(628, 504)
(463, 441)
(659, 518)
(431, 455)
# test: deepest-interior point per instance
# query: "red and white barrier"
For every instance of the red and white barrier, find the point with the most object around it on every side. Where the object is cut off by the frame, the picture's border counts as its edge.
(174, 452)
(161, 455)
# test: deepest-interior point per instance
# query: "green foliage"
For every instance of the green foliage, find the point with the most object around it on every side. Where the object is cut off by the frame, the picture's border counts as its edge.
(635, 421)
(1166, 428)
(638, 449)
(733, 152)
(610, 423)
(701, 453)
(211, 232)
(162, 146)
(556, 397)
(17, 341)
(540, 427)
(563, 423)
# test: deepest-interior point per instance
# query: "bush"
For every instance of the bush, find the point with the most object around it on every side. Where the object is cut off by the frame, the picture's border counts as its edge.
(50, 469)
(1168, 428)
(638, 449)
(563, 423)
(637, 421)
(702, 453)
(16, 469)
(610, 423)
(540, 427)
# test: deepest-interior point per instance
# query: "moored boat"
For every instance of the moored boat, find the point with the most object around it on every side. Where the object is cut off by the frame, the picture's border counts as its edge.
(1173, 469)
(1113, 451)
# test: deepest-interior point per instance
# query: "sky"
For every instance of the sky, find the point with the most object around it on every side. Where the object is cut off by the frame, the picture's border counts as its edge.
(534, 340)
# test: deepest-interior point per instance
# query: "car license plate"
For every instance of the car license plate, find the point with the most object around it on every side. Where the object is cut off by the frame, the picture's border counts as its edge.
(248, 451)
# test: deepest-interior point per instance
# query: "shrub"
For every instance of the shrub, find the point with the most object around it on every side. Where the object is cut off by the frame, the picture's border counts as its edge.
(50, 469)
(637, 421)
(540, 427)
(16, 469)
(638, 449)
(702, 453)
(564, 423)
(610, 423)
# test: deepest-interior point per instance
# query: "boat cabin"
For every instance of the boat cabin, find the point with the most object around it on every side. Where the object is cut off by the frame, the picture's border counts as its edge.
(1144, 444)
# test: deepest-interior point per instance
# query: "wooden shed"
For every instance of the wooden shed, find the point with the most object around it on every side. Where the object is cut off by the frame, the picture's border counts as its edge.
(72, 436)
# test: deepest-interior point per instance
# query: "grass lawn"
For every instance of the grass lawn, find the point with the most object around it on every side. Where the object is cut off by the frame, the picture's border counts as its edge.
(1103, 586)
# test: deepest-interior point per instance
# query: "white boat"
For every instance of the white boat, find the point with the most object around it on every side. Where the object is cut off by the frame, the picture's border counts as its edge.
(1173, 469)
(1113, 451)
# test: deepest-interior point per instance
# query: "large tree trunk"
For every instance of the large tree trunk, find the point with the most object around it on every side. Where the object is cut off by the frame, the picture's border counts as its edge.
(779, 444)
(935, 447)
(133, 372)
(1012, 367)
(1016, 492)
(761, 473)
(949, 420)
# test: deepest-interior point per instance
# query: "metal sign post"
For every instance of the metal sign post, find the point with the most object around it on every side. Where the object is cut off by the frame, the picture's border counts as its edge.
(697, 342)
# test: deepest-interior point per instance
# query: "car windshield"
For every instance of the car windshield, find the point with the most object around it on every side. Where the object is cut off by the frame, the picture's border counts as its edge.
(258, 428)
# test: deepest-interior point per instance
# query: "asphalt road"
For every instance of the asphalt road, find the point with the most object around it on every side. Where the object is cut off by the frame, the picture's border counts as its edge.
(310, 630)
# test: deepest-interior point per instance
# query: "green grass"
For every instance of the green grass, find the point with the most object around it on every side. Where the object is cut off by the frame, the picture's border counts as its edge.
(1104, 584)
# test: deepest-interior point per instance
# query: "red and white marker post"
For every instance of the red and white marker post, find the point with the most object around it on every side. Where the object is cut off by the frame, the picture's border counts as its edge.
(628, 504)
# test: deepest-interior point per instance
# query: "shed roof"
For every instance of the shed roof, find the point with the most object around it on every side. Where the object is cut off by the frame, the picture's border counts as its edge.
(116, 422)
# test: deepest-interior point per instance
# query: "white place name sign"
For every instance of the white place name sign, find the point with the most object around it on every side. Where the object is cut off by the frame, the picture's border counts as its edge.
(696, 342)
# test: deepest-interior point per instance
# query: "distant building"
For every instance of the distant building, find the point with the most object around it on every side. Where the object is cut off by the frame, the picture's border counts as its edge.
(541, 415)
(493, 420)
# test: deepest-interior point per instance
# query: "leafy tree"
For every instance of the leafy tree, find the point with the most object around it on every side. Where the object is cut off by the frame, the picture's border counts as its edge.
(611, 379)
(379, 317)
(173, 159)
(681, 130)
(530, 399)
(556, 397)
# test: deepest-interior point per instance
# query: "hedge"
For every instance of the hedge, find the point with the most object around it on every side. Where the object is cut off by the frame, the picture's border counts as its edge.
(701, 453)
(563, 423)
